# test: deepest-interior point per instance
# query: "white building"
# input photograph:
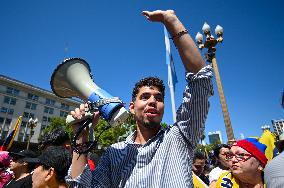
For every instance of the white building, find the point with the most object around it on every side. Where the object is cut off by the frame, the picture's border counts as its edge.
(278, 126)
(21, 99)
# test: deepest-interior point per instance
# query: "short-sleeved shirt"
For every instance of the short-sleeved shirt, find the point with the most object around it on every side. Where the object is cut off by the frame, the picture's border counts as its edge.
(215, 174)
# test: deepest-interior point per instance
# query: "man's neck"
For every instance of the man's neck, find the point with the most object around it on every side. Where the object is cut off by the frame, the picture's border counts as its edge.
(144, 134)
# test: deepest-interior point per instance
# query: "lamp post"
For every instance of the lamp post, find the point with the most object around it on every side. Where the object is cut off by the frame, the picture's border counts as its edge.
(210, 44)
(31, 124)
(265, 127)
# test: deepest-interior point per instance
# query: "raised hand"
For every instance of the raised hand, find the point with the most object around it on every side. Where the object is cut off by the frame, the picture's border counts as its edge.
(159, 15)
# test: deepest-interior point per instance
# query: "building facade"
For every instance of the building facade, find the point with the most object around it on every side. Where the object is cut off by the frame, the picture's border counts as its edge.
(21, 99)
(278, 126)
(215, 137)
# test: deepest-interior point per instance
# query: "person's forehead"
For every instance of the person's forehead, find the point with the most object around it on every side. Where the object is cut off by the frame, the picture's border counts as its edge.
(224, 150)
(149, 89)
(238, 149)
(199, 161)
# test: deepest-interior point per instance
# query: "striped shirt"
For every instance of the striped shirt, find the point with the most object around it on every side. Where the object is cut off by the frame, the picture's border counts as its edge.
(164, 160)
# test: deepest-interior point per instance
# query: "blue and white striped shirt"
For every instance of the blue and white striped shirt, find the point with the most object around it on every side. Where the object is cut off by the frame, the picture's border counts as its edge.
(164, 160)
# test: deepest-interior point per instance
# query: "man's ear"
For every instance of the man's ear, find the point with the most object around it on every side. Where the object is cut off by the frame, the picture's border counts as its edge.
(50, 174)
(131, 107)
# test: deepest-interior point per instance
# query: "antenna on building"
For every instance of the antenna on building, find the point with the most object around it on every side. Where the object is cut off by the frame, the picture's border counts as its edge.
(66, 49)
(282, 104)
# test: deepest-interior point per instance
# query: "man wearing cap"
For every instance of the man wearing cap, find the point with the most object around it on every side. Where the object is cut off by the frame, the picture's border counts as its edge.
(21, 168)
(273, 172)
(52, 167)
(248, 161)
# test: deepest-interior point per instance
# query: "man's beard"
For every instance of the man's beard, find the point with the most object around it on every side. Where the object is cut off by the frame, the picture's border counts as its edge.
(151, 125)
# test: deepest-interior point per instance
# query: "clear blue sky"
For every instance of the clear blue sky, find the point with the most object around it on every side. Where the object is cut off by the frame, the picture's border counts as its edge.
(122, 47)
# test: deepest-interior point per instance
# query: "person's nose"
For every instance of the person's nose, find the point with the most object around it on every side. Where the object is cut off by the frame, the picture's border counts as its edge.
(152, 101)
(234, 159)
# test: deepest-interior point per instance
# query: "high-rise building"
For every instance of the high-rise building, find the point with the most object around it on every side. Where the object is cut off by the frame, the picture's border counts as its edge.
(278, 126)
(21, 99)
(215, 137)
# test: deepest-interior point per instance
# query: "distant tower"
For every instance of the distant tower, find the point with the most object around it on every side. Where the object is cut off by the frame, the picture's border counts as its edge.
(278, 126)
(282, 99)
(215, 137)
(242, 136)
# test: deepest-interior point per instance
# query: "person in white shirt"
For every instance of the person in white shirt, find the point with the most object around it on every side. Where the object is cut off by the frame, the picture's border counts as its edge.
(223, 164)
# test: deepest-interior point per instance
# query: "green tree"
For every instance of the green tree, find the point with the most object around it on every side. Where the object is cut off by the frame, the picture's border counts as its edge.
(56, 122)
(109, 135)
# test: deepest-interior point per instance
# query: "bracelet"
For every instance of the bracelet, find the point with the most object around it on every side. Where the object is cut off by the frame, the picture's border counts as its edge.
(179, 34)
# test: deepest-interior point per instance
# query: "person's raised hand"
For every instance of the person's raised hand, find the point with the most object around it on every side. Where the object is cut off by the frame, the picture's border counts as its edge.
(159, 15)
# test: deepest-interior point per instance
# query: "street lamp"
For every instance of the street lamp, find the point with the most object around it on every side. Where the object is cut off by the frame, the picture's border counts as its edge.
(265, 127)
(31, 124)
(210, 44)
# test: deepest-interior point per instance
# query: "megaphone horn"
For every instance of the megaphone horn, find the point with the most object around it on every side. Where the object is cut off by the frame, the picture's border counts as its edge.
(72, 78)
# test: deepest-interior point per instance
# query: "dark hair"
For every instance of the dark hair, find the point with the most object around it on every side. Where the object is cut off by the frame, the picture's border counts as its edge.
(148, 81)
(59, 158)
(56, 137)
(217, 149)
(198, 155)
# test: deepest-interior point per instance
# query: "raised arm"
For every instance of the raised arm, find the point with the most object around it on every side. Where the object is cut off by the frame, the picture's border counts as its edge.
(188, 51)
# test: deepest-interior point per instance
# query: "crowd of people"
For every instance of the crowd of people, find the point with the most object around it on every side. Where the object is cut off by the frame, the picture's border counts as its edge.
(153, 155)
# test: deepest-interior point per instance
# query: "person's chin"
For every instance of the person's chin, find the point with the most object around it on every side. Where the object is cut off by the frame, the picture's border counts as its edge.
(152, 124)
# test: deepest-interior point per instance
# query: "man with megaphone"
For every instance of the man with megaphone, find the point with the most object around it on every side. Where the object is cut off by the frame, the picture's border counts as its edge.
(154, 156)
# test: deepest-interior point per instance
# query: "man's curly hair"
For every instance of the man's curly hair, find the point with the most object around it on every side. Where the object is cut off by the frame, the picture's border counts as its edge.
(148, 81)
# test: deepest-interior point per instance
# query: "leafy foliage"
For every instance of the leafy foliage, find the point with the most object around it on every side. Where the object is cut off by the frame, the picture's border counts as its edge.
(55, 122)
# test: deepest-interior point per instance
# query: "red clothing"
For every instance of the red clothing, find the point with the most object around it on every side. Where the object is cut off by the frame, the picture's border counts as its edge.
(5, 177)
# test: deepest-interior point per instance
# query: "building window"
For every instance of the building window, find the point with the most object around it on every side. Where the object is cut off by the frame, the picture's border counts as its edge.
(6, 110)
(43, 127)
(12, 91)
(44, 118)
(31, 106)
(23, 124)
(63, 114)
(65, 106)
(20, 136)
(10, 100)
(50, 102)
(8, 122)
(32, 97)
(28, 115)
(48, 110)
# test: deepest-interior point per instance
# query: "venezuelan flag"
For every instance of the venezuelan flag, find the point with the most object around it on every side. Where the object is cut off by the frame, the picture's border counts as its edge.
(10, 138)
(268, 138)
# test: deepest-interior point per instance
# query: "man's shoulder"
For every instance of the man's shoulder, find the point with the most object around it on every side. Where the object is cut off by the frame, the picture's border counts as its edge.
(118, 145)
(279, 159)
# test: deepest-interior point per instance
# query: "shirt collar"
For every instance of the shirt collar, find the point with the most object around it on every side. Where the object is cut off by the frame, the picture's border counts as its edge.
(131, 138)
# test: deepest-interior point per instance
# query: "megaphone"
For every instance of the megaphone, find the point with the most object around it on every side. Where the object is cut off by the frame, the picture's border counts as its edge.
(72, 78)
